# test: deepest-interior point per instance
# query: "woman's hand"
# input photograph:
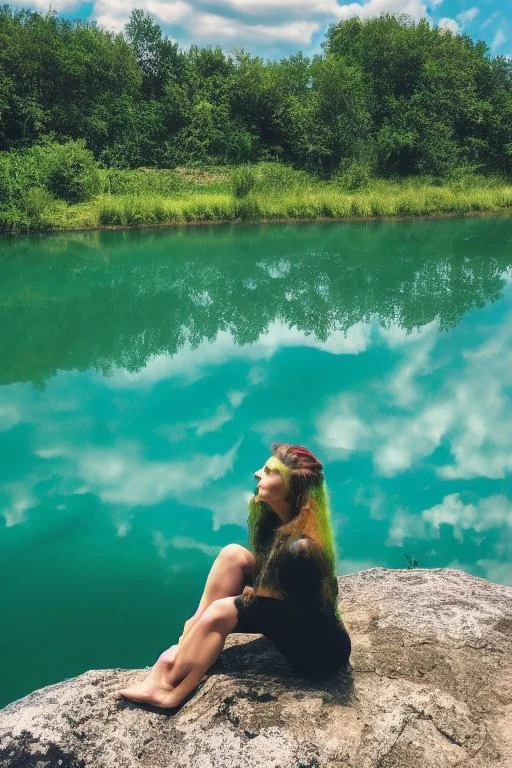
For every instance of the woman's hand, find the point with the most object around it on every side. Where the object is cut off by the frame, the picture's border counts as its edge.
(248, 591)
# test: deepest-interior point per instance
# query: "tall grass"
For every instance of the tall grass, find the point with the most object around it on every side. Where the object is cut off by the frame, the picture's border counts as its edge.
(148, 197)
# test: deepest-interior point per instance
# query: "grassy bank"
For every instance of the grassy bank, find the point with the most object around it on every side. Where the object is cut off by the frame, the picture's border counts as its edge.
(264, 192)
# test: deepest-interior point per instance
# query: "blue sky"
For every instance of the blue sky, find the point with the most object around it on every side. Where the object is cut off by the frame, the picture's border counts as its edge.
(276, 28)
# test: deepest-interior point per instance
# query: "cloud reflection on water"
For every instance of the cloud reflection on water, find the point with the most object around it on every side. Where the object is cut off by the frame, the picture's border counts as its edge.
(353, 361)
(463, 401)
(191, 363)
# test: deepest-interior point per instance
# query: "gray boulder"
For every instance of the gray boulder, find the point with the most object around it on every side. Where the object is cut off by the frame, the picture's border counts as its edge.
(429, 684)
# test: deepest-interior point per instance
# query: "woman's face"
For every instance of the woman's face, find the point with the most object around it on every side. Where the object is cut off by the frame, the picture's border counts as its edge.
(271, 486)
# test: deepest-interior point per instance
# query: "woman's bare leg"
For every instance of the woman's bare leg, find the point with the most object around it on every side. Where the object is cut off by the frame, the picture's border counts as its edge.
(179, 670)
(226, 578)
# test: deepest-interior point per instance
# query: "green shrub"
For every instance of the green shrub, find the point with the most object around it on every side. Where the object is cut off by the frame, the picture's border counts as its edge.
(5, 177)
(354, 176)
(244, 181)
(72, 173)
(281, 177)
(37, 203)
(18, 173)
(247, 209)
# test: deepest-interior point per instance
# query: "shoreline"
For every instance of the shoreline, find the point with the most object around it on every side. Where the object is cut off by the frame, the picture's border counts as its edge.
(505, 212)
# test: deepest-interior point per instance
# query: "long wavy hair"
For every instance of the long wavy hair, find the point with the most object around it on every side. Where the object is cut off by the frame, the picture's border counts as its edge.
(310, 511)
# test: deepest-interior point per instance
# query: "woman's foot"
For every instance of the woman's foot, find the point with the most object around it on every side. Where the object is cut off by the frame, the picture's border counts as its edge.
(155, 689)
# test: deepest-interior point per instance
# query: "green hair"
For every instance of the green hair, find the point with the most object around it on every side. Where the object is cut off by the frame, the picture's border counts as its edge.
(320, 495)
(313, 519)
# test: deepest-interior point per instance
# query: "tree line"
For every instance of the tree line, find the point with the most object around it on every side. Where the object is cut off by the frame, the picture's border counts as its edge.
(387, 97)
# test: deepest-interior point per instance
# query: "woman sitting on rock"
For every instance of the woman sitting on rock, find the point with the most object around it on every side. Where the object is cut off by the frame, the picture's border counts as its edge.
(293, 597)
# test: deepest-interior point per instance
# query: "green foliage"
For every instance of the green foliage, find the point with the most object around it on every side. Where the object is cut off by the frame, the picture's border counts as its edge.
(248, 209)
(33, 180)
(431, 94)
(153, 197)
(244, 181)
(144, 182)
(354, 175)
(70, 171)
(57, 75)
(387, 97)
(36, 203)
(280, 177)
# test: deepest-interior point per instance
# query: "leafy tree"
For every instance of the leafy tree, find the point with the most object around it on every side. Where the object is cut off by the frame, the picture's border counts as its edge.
(388, 95)
(158, 58)
(427, 89)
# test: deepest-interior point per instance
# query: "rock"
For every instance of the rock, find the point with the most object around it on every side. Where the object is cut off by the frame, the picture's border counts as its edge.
(430, 684)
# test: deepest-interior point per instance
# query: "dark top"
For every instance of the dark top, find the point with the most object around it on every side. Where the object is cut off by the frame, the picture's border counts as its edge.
(306, 625)
(298, 567)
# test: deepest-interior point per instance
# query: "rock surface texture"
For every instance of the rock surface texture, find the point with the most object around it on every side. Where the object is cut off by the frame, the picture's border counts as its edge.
(429, 684)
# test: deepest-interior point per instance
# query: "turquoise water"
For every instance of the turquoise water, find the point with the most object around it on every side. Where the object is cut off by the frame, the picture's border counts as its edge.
(145, 374)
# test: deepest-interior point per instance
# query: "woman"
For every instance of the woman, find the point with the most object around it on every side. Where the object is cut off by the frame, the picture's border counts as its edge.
(293, 600)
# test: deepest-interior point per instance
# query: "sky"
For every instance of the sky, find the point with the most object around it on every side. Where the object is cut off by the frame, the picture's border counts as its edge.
(278, 28)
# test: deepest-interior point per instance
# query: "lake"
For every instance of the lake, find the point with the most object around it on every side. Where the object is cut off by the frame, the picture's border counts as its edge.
(144, 375)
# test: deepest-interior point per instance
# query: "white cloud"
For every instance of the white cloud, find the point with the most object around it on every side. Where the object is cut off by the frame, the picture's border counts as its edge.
(203, 25)
(498, 39)
(120, 475)
(245, 22)
(339, 429)
(210, 26)
(9, 416)
(221, 416)
(278, 8)
(491, 512)
(374, 500)
(497, 571)
(22, 499)
(404, 384)
(272, 430)
(406, 525)
(466, 17)
(169, 11)
(113, 14)
(229, 506)
(256, 375)
(490, 20)
(236, 398)
(406, 440)
(397, 440)
(123, 527)
(396, 336)
(163, 545)
(482, 441)
(193, 363)
(414, 8)
(449, 24)
(401, 420)
(44, 5)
